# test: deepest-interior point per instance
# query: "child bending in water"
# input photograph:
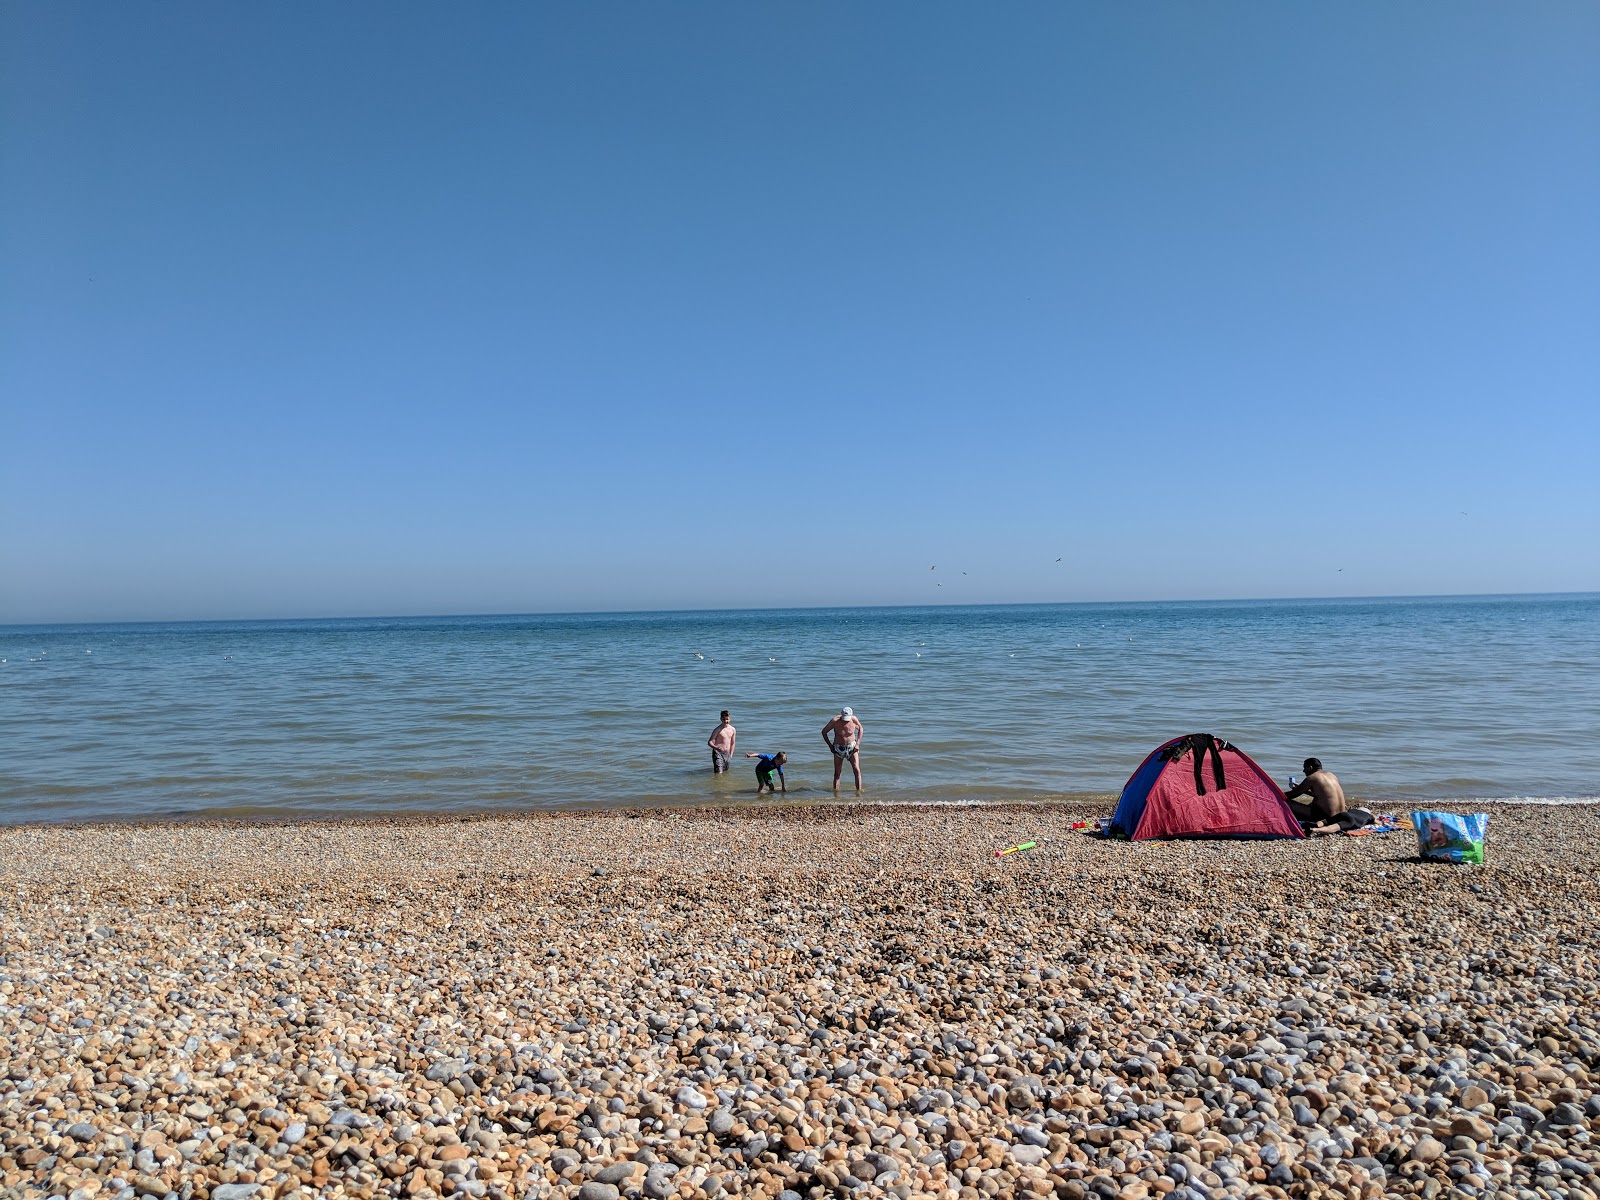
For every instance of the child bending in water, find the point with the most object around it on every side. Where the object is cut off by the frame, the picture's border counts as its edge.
(764, 769)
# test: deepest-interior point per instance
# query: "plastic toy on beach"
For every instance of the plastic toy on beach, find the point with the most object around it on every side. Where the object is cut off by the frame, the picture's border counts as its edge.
(1017, 849)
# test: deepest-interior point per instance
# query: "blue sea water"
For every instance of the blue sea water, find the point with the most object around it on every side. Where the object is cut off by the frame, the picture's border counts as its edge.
(1407, 700)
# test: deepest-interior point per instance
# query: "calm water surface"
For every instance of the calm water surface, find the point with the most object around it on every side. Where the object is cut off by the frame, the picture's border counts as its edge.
(1407, 700)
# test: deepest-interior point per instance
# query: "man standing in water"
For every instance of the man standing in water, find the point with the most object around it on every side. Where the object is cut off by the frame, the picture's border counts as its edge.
(1327, 797)
(721, 743)
(845, 744)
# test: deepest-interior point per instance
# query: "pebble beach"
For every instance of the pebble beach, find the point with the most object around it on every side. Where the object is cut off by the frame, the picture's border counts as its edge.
(794, 1001)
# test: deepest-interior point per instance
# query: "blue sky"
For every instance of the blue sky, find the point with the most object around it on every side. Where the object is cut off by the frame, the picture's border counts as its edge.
(358, 309)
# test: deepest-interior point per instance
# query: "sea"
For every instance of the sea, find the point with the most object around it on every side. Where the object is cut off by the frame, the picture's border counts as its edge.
(1488, 699)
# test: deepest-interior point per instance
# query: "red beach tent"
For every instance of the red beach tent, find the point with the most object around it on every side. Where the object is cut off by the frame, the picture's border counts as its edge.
(1202, 786)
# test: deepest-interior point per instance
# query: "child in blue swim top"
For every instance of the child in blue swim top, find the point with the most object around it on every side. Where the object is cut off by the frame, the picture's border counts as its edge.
(764, 769)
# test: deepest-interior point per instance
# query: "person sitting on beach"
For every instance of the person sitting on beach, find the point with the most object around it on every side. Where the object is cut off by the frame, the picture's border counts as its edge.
(721, 743)
(1327, 797)
(845, 744)
(764, 769)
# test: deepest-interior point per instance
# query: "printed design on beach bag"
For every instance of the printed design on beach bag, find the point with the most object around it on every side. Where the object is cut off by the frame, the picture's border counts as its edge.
(1451, 837)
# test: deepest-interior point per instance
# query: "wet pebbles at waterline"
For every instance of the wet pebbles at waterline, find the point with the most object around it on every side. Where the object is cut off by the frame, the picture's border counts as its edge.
(797, 1003)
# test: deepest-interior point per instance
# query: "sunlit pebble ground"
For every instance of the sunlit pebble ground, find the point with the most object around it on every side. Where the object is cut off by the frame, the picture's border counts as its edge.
(816, 1001)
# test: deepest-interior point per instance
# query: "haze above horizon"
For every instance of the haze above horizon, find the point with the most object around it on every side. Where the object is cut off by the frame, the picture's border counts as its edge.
(621, 308)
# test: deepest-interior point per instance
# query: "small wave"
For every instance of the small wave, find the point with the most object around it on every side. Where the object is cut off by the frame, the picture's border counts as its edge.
(1544, 800)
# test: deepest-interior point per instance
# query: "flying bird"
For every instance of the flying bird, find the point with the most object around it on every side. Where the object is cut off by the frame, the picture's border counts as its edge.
(1058, 560)
(697, 654)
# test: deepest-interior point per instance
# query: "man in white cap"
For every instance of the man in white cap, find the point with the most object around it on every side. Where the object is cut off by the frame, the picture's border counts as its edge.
(845, 744)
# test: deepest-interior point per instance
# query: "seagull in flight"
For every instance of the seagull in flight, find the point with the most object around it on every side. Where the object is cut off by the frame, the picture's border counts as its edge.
(697, 654)
(1058, 560)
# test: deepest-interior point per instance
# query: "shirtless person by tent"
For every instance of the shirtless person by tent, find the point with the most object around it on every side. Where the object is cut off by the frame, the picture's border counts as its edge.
(1328, 810)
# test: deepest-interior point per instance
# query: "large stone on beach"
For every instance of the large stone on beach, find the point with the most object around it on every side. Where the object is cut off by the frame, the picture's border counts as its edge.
(1475, 1128)
(444, 1071)
(595, 1190)
(1427, 1150)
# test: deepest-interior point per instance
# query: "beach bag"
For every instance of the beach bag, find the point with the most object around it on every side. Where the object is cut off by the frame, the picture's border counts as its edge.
(1450, 837)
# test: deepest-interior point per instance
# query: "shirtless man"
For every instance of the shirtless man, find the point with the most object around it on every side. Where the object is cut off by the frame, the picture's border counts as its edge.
(1327, 797)
(845, 744)
(721, 743)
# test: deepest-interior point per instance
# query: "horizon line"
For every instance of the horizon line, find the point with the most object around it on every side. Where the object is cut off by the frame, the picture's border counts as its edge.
(641, 612)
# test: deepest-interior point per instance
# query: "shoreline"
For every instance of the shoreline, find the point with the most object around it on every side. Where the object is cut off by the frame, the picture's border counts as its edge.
(1093, 804)
(819, 1000)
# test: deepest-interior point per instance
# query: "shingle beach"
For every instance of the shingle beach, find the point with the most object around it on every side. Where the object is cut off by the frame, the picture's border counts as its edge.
(795, 1001)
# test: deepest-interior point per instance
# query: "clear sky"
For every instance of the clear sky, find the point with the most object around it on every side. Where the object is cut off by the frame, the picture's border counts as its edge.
(396, 308)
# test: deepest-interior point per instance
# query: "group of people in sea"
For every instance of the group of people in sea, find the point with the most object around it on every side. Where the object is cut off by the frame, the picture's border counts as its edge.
(842, 736)
(1324, 809)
